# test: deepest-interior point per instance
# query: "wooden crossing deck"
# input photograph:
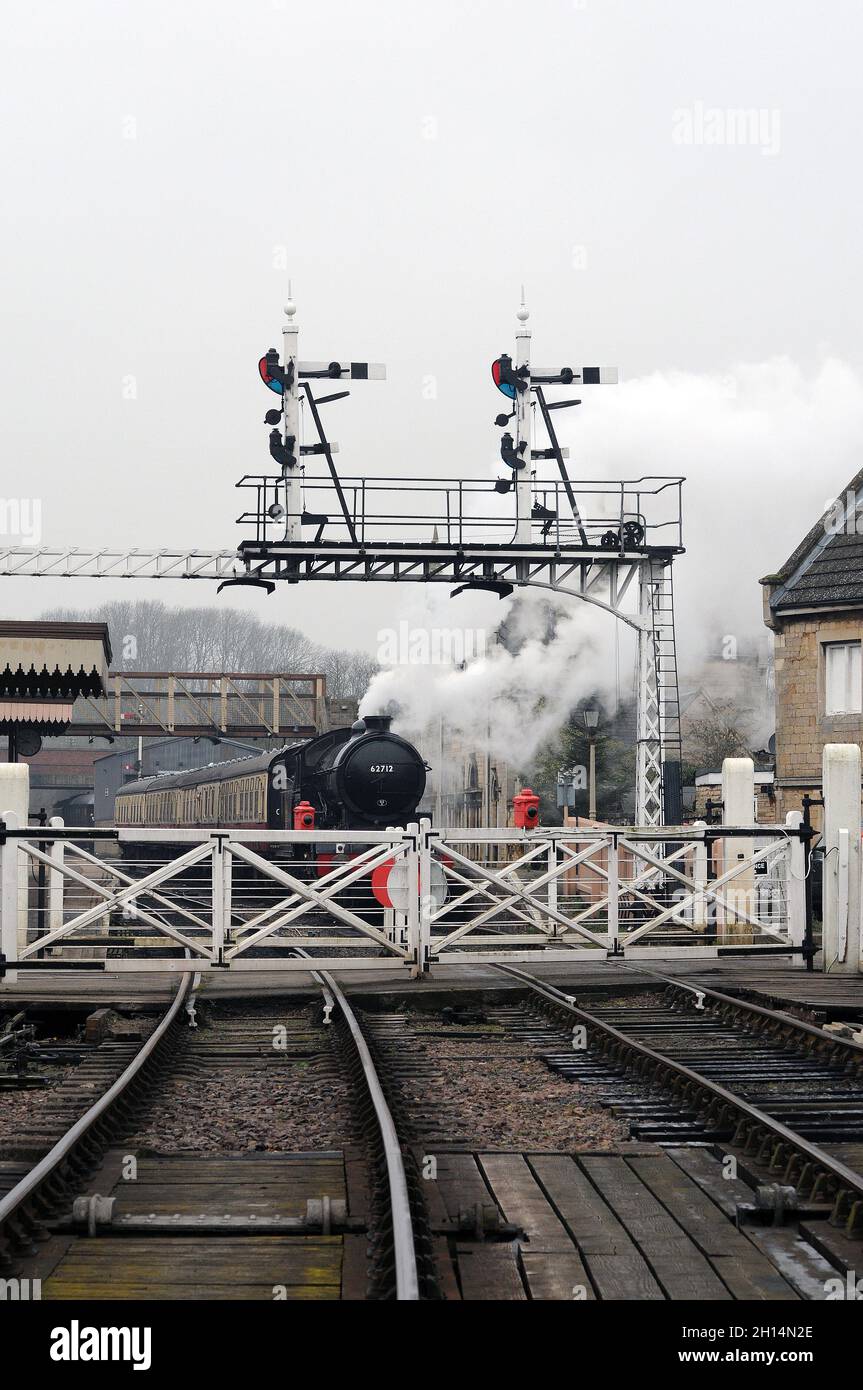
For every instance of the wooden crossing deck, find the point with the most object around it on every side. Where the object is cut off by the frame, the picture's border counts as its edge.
(634, 1223)
(266, 1267)
(775, 981)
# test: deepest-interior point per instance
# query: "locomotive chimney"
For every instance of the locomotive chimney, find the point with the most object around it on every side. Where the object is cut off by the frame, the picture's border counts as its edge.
(377, 723)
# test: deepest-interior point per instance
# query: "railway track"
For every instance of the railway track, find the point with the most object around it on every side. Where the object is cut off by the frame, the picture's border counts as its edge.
(56, 1155)
(254, 1157)
(466, 1152)
(781, 1091)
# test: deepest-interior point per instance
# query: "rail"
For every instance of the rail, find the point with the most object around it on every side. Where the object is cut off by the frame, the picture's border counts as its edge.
(849, 1183)
(52, 1161)
(404, 1250)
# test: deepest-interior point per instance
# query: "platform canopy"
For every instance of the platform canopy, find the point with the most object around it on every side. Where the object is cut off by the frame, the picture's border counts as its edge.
(44, 667)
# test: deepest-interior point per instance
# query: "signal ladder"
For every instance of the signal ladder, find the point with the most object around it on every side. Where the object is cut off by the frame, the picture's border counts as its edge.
(659, 742)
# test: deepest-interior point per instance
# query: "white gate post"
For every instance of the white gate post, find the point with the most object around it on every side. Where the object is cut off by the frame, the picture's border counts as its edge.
(795, 888)
(425, 896)
(9, 897)
(699, 878)
(841, 910)
(57, 853)
(217, 896)
(613, 862)
(227, 893)
(553, 923)
(418, 894)
(15, 797)
(738, 808)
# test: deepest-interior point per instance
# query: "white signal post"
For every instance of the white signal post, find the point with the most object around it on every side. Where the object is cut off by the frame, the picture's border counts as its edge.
(523, 430)
(294, 372)
(291, 417)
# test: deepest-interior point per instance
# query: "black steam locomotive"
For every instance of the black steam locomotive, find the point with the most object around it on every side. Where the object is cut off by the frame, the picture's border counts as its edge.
(360, 778)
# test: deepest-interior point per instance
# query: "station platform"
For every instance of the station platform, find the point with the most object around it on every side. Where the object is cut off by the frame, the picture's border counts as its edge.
(774, 981)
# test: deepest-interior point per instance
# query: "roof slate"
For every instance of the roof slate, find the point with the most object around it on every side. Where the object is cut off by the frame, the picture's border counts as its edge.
(832, 575)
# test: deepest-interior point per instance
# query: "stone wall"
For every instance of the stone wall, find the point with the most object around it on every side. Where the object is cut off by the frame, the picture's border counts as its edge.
(802, 727)
(766, 810)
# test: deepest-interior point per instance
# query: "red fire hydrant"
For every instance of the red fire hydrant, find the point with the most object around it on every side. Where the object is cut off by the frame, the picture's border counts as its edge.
(525, 809)
(304, 816)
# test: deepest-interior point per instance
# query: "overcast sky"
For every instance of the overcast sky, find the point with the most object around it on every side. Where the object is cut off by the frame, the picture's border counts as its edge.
(166, 166)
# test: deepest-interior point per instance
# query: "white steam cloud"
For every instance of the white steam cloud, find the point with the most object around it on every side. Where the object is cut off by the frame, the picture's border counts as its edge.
(514, 698)
(763, 447)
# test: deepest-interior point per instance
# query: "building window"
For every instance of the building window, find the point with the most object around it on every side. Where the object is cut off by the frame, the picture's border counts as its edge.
(842, 682)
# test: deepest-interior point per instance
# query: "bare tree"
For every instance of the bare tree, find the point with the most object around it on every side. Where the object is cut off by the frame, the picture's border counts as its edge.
(147, 635)
(721, 732)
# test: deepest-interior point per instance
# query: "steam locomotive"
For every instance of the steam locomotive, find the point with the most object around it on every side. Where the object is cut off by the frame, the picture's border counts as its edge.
(360, 778)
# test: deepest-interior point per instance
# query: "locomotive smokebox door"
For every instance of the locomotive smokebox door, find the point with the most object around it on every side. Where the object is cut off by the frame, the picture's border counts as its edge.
(525, 809)
(377, 776)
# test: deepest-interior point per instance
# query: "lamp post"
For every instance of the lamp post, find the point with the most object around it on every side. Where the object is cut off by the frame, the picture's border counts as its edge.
(591, 720)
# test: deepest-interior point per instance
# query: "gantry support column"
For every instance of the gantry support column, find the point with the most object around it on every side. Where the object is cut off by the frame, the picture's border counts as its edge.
(648, 775)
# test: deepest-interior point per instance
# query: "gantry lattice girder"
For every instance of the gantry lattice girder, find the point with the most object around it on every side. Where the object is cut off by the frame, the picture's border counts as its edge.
(78, 562)
(598, 576)
(633, 586)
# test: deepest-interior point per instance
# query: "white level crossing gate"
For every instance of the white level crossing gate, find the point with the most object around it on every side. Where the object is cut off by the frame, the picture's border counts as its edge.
(178, 900)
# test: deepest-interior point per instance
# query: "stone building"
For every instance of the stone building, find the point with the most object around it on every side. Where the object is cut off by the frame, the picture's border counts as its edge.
(814, 606)
(708, 788)
(467, 786)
